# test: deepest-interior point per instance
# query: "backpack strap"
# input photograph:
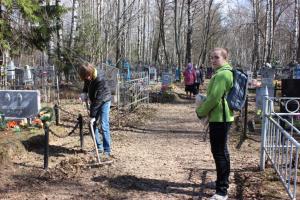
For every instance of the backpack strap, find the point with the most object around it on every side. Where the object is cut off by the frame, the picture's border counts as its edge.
(223, 105)
(223, 99)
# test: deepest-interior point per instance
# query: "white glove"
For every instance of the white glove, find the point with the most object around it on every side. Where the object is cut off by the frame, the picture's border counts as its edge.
(92, 120)
(83, 96)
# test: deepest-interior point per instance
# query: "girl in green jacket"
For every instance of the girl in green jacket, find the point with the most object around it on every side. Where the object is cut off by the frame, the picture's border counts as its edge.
(220, 118)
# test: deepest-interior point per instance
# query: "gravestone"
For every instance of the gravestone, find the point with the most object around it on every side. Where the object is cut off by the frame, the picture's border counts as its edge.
(267, 77)
(11, 74)
(18, 104)
(152, 75)
(290, 87)
(111, 74)
(250, 77)
(28, 77)
(297, 72)
(259, 96)
(166, 80)
(177, 74)
(126, 70)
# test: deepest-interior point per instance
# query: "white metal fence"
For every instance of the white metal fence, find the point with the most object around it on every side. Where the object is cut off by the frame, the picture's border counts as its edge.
(133, 92)
(128, 91)
(279, 139)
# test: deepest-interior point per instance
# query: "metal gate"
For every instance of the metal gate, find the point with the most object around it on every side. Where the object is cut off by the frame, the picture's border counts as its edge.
(134, 92)
(280, 139)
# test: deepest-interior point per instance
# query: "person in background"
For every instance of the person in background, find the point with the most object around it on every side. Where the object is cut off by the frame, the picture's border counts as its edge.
(189, 80)
(199, 78)
(202, 72)
(177, 74)
(220, 118)
(209, 72)
(97, 90)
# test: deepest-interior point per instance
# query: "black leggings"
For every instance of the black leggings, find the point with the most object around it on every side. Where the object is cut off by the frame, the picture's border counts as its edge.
(218, 132)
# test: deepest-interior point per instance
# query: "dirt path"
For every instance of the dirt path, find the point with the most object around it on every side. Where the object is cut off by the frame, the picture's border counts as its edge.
(163, 157)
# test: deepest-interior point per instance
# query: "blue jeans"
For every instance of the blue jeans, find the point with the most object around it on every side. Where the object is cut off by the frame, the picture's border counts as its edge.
(218, 132)
(103, 117)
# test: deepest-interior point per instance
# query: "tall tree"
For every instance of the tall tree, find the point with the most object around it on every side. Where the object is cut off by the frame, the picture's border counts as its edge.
(58, 31)
(256, 51)
(269, 31)
(177, 30)
(162, 29)
(144, 31)
(74, 18)
(207, 29)
(118, 63)
(295, 32)
(188, 55)
(161, 36)
(124, 35)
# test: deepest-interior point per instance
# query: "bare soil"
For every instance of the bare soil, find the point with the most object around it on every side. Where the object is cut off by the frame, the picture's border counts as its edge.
(159, 152)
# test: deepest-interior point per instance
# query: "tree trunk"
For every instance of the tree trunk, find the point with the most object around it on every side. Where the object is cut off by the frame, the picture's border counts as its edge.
(118, 63)
(296, 32)
(188, 55)
(139, 33)
(269, 32)
(148, 49)
(177, 34)
(162, 30)
(144, 31)
(256, 52)
(58, 31)
(123, 38)
(206, 31)
(99, 28)
(73, 25)
(175, 31)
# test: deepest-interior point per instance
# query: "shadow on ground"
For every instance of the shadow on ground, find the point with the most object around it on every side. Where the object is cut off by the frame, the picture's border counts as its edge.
(36, 144)
(129, 182)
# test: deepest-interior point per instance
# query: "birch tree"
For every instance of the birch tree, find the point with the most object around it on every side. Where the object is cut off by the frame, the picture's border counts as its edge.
(207, 28)
(118, 64)
(74, 18)
(295, 32)
(256, 51)
(58, 31)
(177, 30)
(188, 55)
(269, 31)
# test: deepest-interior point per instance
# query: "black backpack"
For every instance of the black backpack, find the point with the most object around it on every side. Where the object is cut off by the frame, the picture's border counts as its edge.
(237, 95)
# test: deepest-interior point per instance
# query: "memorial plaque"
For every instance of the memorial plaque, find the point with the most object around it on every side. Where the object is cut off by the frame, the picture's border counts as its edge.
(20, 103)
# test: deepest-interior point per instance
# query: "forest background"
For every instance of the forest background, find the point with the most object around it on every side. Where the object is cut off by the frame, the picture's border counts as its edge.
(164, 33)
